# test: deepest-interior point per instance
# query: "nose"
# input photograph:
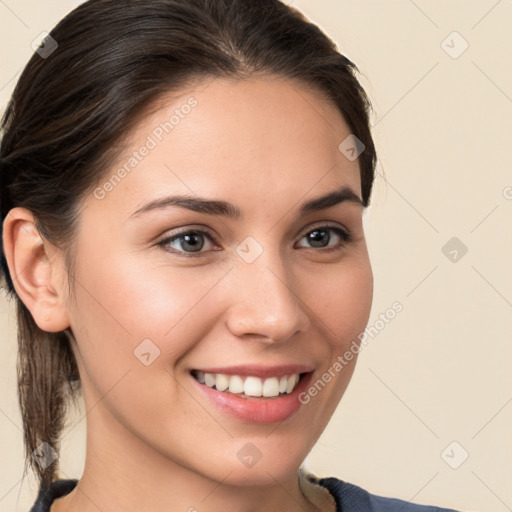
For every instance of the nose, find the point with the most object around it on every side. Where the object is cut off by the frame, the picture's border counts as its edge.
(264, 305)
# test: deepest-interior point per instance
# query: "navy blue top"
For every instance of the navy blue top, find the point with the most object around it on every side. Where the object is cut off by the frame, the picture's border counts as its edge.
(348, 498)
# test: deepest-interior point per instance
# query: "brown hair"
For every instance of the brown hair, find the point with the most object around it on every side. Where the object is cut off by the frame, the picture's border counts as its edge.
(70, 108)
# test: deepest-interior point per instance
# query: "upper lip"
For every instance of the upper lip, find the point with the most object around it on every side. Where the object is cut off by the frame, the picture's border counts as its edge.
(258, 370)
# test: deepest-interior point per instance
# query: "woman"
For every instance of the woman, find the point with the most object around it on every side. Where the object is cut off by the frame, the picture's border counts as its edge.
(183, 183)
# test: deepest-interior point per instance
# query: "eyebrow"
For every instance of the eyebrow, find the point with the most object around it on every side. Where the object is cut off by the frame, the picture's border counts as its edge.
(229, 210)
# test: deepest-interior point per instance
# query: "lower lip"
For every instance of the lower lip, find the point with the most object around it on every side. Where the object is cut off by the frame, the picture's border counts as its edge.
(257, 409)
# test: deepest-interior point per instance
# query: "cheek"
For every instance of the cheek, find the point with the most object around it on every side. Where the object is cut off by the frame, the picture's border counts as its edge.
(126, 300)
(341, 297)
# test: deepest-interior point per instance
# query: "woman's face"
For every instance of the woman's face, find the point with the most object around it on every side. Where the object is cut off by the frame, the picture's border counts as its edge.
(241, 276)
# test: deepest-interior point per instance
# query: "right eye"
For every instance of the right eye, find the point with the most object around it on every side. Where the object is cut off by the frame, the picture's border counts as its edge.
(187, 243)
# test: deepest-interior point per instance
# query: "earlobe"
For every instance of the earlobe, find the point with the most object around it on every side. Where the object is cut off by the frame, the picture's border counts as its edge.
(36, 270)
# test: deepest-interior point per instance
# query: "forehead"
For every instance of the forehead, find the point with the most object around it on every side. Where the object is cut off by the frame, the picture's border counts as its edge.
(267, 137)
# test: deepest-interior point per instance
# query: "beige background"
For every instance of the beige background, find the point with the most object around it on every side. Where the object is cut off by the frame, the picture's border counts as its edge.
(440, 371)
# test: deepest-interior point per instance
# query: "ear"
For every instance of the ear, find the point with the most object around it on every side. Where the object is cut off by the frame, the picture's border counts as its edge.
(36, 269)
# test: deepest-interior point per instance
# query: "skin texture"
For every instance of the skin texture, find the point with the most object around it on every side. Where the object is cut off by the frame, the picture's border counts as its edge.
(154, 442)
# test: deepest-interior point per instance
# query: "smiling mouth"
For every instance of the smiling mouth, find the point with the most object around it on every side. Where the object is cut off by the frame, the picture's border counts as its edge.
(249, 386)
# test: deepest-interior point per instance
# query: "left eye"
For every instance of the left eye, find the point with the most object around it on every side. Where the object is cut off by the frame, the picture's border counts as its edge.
(321, 236)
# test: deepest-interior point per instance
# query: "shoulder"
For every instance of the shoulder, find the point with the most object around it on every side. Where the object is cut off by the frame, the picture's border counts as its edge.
(47, 495)
(350, 497)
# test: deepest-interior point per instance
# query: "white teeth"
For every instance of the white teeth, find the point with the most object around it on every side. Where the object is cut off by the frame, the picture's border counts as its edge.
(271, 387)
(221, 382)
(292, 381)
(209, 379)
(236, 384)
(251, 386)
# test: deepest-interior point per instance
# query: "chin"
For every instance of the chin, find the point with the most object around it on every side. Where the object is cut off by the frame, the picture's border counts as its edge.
(257, 465)
(260, 476)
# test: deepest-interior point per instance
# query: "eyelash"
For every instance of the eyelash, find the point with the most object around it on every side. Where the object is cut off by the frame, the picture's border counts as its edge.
(345, 236)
